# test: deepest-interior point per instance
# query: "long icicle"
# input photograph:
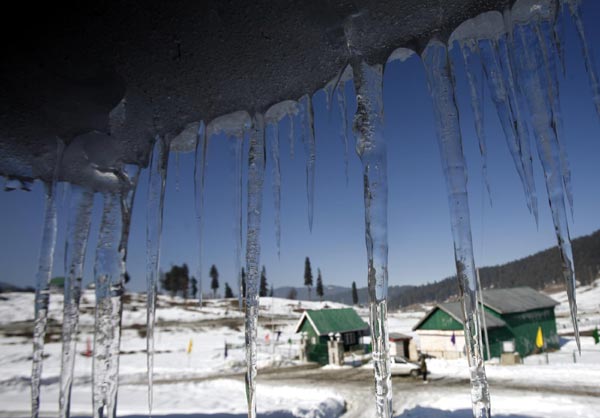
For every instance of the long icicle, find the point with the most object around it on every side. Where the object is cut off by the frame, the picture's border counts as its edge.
(469, 49)
(199, 171)
(238, 146)
(311, 153)
(371, 148)
(256, 173)
(341, 100)
(530, 69)
(274, 143)
(518, 113)
(78, 230)
(157, 179)
(43, 276)
(441, 88)
(546, 44)
(107, 271)
(590, 65)
(499, 93)
(109, 280)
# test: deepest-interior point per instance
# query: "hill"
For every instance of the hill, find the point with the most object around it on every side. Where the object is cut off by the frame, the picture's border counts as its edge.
(538, 271)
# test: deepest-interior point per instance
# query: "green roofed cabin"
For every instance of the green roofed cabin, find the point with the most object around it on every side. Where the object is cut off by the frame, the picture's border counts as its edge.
(320, 324)
(512, 317)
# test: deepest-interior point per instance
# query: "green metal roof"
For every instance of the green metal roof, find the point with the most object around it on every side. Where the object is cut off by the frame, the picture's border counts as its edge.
(454, 310)
(517, 299)
(326, 321)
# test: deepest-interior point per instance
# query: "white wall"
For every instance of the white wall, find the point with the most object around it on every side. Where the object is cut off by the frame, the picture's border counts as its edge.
(439, 344)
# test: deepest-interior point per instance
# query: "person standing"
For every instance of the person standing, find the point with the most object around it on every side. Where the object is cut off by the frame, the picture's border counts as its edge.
(424, 368)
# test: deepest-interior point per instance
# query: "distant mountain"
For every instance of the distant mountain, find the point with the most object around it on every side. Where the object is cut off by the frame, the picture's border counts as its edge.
(335, 293)
(538, 271)
(7, 287)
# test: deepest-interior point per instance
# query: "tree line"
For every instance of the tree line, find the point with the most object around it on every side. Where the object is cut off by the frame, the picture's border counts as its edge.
(537, 271)
(177, 281)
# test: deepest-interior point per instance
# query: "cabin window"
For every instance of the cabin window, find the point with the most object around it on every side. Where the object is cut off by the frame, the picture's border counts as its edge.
(350, 338)
(313, 340)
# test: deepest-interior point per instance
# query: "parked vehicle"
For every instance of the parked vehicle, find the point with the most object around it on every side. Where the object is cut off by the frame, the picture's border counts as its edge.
(401, 367)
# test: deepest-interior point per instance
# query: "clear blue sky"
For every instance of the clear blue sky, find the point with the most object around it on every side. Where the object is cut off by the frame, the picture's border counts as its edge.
(420, 243)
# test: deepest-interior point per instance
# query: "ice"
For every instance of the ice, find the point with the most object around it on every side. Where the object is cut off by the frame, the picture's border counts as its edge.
(256, 173)
(545, 40)
(505, 107)
(108, 272)
(308, 129)
(42, 288)
(441, 88)
(78, 229)
(272, 118)
(199, 170)
(237, 148)
(469, 51)
(530, 65)
(343, 109)
(233, 124)
(371, 148)
(154, 219)
(588, 57)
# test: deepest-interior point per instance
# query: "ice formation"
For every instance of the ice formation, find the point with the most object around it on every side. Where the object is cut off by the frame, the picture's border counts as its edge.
(441, 87)
(42, 289)
(372, 150)
(78, 230)
(256, 173)
(157, 181)
(518, 52)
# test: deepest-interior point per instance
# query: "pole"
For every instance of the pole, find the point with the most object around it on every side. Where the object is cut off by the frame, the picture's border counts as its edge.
(485, 332)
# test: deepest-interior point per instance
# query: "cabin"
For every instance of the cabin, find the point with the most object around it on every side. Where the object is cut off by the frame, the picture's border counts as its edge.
(512, 318)
(403, 345)
(321, 326)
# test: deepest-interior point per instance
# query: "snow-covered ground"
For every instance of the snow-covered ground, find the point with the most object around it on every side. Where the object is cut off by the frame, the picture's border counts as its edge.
(206, 383)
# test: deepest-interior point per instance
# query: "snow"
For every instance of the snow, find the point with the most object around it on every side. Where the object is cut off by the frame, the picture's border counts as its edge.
(207, 384)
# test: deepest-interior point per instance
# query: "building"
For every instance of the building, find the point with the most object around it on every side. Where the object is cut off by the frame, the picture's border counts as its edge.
(403, 345)
(512, 318)
(321, 326)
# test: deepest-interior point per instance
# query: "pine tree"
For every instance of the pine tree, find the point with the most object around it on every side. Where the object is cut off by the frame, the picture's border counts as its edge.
(262, 290)
(271, 291)
(228, 291)
(308, 277)
(214, 283)
(194, 288)
(320, 291)
(243, 283)
(354, 294)
(292, 294)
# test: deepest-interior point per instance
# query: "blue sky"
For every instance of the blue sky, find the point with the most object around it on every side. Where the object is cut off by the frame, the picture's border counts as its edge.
(420, 242)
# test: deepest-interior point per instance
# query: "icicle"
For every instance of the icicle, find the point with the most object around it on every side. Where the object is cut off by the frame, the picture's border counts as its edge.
(199, 170)
(371, 148)
(500, 94)
(43, 276)
(311, 152)
(238, 144)
(534, 86)
(440, 82)
(176, 171)
(521, 126)
(588, 56)
(80, 212)
(558, 33)
(108, 270)
(341, 99)
(276, 184)
(546, 45)
(292, 138)
(109, 280)
(154, 218)
(468, 49)
(272, 118)
(256, 171)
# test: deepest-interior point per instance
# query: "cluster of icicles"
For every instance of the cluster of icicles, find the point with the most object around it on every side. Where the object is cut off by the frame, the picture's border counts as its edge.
(520, 54)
